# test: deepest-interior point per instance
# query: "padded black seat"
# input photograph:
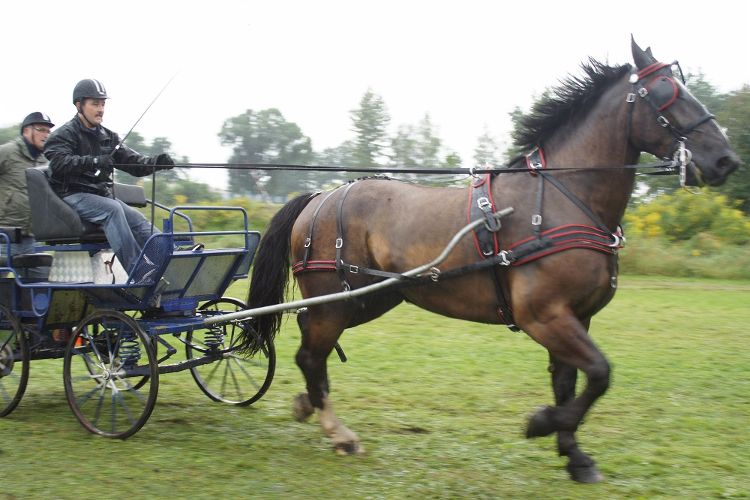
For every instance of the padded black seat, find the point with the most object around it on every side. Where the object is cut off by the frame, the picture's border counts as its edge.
(54, 221)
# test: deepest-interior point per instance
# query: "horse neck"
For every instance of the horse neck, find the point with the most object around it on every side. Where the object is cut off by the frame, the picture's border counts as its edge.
(598, 140)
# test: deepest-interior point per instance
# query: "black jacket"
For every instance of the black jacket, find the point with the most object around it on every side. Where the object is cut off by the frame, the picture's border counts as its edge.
(71, 150)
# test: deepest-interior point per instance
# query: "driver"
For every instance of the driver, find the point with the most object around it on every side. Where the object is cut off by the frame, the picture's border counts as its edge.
(82, 155)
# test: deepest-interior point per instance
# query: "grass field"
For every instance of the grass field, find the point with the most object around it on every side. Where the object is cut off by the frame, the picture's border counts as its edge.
(440, 406)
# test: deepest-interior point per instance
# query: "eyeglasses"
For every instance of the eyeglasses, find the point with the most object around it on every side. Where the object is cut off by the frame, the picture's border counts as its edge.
(42, 130)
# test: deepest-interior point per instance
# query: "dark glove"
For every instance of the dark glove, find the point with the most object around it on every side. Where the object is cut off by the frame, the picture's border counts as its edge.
(163, 162)
(102, 166)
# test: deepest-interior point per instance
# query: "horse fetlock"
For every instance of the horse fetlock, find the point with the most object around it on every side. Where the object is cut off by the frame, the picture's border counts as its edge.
(302, 408)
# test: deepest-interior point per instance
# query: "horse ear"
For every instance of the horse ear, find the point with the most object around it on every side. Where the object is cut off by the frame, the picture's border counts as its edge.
(642, 58)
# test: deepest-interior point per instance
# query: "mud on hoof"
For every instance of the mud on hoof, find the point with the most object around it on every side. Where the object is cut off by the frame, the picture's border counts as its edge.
(302, 408)
(541, 423)
(348, 448)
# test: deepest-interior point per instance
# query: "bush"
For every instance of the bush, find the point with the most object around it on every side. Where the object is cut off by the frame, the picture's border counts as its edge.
(703, 256)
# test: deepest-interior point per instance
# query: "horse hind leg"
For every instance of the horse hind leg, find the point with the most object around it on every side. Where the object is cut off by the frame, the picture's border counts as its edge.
(570, 349)
(318, 340)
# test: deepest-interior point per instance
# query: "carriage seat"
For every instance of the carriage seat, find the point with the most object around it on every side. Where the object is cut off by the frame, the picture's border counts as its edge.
(54, 221)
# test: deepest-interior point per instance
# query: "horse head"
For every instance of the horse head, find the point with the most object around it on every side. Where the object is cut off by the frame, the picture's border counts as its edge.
(667, 121)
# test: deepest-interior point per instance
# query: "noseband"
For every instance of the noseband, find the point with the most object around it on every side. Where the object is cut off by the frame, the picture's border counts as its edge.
(660, 92)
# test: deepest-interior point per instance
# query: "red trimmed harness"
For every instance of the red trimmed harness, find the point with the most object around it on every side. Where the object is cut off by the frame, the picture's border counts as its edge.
(541, 244)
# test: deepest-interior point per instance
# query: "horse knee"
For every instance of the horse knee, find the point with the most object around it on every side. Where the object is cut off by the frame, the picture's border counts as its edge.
(598, 376)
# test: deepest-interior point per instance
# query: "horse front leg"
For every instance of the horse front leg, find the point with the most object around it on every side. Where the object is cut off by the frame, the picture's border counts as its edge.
(580, 466)
(312, 360)
(570, 349)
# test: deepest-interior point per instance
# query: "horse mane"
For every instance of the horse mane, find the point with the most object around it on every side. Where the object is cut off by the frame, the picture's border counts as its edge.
(566, 103)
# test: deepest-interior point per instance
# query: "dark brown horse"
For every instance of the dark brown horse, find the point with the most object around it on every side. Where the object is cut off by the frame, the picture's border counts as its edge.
(557, 264)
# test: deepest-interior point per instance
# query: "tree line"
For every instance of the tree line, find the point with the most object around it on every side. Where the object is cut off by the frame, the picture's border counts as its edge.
(266, 136)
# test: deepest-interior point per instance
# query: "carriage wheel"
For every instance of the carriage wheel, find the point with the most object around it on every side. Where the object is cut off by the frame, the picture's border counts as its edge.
(14, 362)
(234, 378)
(105, 363)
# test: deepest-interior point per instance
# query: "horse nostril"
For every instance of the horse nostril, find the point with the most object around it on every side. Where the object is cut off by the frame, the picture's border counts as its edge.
(728, 164)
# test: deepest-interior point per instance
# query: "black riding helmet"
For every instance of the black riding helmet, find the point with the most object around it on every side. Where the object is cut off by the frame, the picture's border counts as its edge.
(36, 117)
(89, 89)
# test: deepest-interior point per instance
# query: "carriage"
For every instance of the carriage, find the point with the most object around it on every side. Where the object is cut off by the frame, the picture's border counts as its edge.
(117, 338)
(359, 250)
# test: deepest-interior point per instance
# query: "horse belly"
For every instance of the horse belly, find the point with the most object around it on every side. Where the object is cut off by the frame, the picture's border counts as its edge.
(471, 297)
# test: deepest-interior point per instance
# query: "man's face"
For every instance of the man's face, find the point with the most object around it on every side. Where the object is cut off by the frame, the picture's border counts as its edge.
(93, 110)
(36, 134)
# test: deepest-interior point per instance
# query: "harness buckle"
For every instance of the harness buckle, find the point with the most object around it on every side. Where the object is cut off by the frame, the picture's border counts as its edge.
(353, 269)
(339, 242)
(643, 92)
(307, 242)
(536, 220)
(483, 203)
(504, 261)
(434, 274)
(662, 120)
(630, 97)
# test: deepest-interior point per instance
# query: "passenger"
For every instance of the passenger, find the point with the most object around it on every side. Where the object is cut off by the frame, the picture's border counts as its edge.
(82, 154)
(16, 156)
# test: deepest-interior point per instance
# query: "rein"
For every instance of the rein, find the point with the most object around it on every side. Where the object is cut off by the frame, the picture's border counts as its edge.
(665, 167)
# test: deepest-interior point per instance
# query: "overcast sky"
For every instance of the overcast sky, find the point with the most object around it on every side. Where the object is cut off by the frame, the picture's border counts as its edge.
(466, 63)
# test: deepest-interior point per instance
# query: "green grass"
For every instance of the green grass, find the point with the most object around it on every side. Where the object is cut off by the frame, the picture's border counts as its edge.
(440, 406)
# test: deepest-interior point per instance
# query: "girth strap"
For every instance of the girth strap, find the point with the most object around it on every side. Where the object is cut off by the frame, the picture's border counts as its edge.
(340, 237)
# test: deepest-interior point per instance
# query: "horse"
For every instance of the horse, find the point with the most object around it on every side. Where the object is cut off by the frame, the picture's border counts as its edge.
(554, 261)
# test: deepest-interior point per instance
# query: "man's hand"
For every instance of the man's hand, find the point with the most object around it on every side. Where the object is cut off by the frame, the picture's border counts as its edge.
(102, 166)
(163, 162)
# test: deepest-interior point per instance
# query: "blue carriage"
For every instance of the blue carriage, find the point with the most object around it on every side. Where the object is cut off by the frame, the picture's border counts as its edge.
(117, 336)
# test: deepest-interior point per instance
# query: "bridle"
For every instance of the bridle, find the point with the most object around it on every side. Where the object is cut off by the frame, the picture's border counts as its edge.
(660, 91)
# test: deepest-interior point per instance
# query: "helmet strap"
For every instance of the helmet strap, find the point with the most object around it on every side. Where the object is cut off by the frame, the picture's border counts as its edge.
(79, 107)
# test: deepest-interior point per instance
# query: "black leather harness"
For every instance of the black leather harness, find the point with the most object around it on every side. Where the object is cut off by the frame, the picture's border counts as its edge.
(542, 243)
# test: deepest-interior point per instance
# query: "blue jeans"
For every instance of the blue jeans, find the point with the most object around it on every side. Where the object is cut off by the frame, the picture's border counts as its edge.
(127, 230)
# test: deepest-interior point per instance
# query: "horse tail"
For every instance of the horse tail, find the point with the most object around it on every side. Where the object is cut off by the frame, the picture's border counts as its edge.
(271, 273)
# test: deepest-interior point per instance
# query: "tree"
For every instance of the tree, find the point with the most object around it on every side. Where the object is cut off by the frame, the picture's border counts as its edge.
(514, 150)
(9, 133)
(705, 92)
(420, 146)
(370, 122)
(487, 150)
(136, 142)
(735, 115)
(266, 137)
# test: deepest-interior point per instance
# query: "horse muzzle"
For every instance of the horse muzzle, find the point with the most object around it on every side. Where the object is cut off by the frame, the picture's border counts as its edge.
(698, 174)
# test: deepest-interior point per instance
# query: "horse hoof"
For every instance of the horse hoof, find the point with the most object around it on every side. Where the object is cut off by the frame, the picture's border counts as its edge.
(540, 424)
(348, 448)
(589, 474)
(302, 408)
